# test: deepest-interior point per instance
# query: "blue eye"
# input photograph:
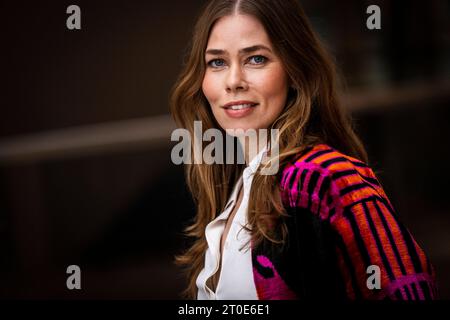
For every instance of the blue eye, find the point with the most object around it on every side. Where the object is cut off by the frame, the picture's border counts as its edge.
(216, 63)
(257, 59)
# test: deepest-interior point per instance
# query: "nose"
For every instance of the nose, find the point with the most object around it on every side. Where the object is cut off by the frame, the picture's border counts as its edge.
(236, 79)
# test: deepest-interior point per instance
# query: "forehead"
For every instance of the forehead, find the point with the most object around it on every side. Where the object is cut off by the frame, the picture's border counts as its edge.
(237, 31)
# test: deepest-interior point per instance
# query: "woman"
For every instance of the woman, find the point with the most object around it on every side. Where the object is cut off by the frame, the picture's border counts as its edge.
(322, 226)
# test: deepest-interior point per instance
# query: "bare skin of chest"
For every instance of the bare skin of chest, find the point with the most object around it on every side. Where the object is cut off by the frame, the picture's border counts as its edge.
(214, 280)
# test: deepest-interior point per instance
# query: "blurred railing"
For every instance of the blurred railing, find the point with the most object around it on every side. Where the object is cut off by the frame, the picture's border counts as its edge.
(155, 131)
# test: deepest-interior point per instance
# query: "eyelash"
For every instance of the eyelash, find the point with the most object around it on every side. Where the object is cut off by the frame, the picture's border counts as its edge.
(265, 59)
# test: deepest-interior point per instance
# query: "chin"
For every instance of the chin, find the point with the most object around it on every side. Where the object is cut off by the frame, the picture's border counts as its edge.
(243, 128)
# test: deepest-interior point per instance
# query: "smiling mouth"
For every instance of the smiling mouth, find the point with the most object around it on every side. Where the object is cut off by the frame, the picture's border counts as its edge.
(241, 106)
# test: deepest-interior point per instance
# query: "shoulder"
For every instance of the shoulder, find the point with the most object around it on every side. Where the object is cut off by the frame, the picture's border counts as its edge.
(322, 179)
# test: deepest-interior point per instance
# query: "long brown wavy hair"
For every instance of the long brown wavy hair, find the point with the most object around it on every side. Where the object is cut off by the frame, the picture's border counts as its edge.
(312, 115)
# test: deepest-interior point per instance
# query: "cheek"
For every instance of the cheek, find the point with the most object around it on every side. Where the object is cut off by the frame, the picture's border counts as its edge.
(209, 88)
(274, 86)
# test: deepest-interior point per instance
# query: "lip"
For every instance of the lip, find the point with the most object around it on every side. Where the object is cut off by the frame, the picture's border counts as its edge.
(233, 103)
(242, 112)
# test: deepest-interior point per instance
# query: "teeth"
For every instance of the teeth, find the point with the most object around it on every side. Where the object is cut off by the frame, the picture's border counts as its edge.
(240, 106)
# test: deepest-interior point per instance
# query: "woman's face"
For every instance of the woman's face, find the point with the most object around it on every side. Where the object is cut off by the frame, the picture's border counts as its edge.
(245, 82)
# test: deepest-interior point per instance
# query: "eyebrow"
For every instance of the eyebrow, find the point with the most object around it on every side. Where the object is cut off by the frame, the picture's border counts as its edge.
(244, 50)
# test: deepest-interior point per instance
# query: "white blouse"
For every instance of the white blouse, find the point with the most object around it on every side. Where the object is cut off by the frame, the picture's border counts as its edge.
(236, 273)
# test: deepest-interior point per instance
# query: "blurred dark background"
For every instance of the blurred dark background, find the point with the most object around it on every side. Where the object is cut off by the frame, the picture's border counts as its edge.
(85, 170)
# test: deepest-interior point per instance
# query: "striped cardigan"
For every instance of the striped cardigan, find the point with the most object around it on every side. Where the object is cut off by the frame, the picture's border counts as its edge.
(340, 223)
